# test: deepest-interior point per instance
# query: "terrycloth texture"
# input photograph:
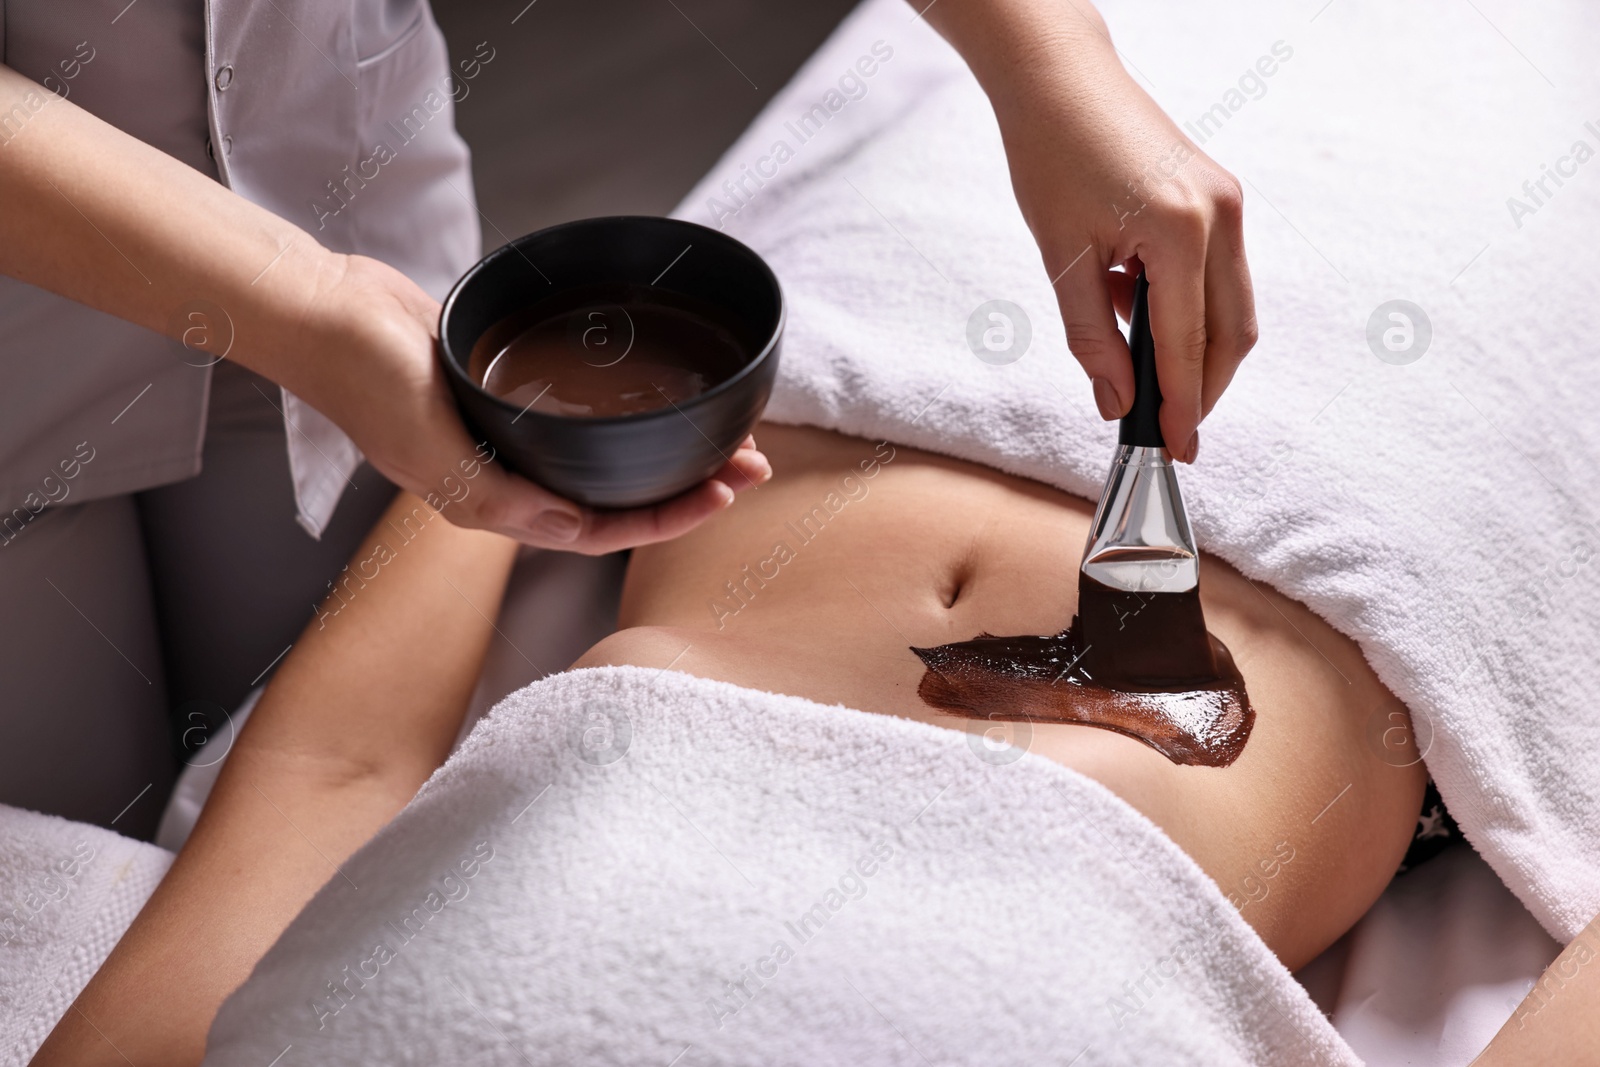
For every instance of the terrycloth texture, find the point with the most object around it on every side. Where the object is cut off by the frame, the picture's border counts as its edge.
(67, 892)
(613, 851)
(1438, 512)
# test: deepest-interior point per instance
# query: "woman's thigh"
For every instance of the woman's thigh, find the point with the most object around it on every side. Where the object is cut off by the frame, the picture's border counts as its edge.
(83, 723)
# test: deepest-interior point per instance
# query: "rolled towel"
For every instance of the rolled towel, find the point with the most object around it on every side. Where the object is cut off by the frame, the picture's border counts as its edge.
(631, 866)
(67, 892)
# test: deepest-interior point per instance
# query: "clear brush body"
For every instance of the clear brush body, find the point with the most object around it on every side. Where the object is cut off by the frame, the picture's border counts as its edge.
(1140, 540)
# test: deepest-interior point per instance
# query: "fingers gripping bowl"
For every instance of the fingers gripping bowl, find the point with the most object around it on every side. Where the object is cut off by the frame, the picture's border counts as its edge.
(615, 361)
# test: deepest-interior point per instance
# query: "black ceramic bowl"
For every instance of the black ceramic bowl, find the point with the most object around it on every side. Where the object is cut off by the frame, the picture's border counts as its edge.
(619, 461)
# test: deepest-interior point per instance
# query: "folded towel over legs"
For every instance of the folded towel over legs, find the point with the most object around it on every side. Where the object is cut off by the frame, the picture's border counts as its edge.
(626, 866)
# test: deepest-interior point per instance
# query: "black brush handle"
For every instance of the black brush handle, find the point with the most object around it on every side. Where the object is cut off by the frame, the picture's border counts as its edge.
(1141, 426)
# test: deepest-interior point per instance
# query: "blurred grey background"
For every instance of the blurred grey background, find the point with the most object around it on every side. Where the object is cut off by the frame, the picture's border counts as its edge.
(597, 107)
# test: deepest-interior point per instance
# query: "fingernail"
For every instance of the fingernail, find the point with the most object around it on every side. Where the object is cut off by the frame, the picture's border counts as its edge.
(1107, 400)
(558, 525)
(724, 494)
(765, 474)
(1192, 449)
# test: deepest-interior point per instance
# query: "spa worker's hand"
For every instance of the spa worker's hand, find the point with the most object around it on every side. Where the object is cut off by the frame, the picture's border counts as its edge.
(1104, 179)
(99, 217)
(376, 376)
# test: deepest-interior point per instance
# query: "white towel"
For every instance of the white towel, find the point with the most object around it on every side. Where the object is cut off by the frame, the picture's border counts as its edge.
(614, 852)
(67, 892)
(1438, 512)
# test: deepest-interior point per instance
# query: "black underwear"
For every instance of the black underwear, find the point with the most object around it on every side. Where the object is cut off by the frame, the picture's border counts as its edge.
(1435, 831)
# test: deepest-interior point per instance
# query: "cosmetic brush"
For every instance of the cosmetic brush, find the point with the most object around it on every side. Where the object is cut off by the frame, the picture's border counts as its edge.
(1138, 586)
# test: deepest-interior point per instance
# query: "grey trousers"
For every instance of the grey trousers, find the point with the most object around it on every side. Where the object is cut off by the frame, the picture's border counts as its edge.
(132, 623)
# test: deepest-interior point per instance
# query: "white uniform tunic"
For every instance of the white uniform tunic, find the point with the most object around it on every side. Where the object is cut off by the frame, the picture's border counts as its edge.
(148, 596)
(338, 117)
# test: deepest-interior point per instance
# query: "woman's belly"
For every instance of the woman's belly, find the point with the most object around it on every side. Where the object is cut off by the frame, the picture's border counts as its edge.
(819, 583)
